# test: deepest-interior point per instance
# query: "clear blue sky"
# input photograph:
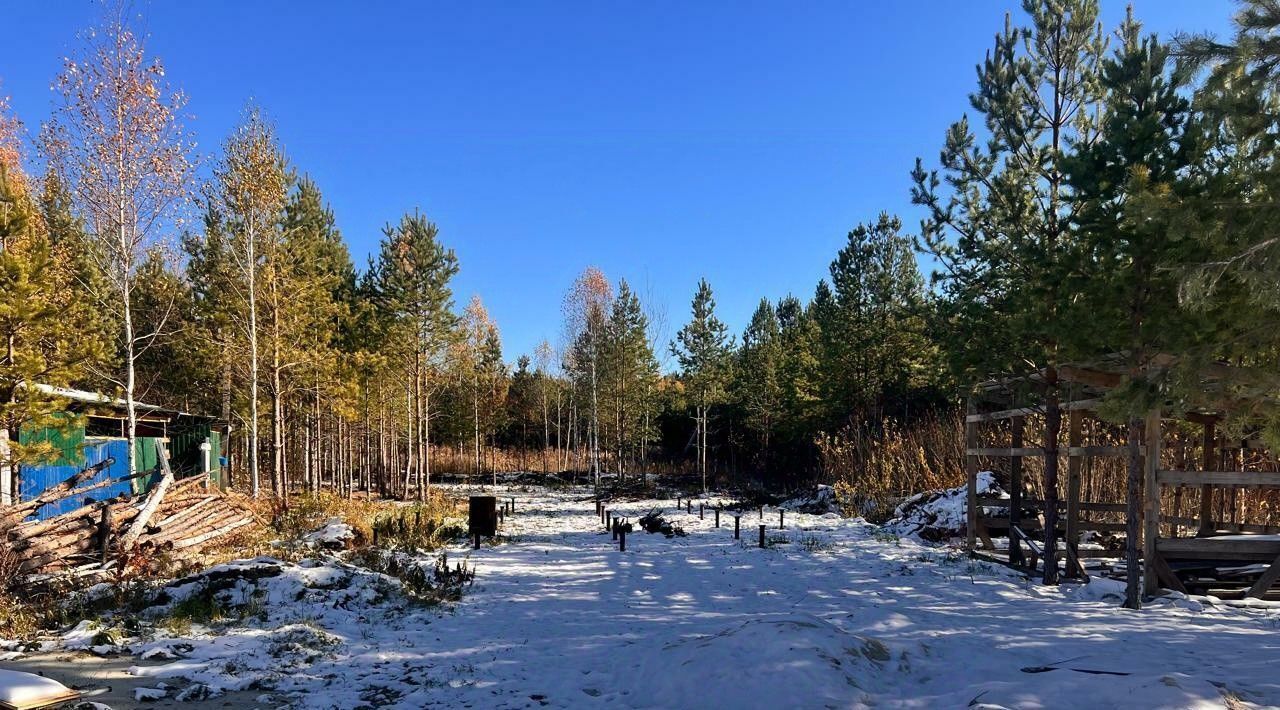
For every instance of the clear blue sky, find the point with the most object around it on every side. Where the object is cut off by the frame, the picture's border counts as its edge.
(662, 141)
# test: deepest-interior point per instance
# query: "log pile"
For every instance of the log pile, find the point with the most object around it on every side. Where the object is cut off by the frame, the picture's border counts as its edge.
(173, 515)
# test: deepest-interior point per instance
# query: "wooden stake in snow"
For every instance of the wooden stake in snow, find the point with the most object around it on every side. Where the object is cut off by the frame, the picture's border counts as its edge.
(153, 500)
(622, 539)
(781, 520)
(761, 535)
(717, 517)
(700, 515)
(736, 520)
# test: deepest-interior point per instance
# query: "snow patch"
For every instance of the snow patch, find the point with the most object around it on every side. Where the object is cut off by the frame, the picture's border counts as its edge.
(935, 516)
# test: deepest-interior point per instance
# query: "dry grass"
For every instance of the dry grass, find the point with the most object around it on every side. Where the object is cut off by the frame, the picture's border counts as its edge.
(872, 471)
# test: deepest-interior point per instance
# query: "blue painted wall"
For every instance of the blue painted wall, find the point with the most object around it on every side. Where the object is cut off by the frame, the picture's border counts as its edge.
(36, 479)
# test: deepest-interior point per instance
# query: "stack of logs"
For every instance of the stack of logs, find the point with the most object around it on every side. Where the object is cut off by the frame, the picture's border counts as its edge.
(172, 515)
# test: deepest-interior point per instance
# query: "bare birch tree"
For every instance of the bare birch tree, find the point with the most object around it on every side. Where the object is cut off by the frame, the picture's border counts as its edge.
(116, 140)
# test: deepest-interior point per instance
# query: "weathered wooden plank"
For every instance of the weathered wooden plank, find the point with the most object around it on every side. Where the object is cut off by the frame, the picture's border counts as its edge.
(1164, 572)
(1081, 405)
(1257, 479)
(1151, 503)
(1016, 428)
(1209, 548)
(1020, 451)
(1206, 492)
(1102, 451)
(1267, 579)
(971, 472)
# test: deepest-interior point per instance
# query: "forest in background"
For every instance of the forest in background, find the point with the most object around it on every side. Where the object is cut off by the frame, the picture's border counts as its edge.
(1105, 191)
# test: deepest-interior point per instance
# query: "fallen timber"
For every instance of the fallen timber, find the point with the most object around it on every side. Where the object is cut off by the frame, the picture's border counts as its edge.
(173, 514)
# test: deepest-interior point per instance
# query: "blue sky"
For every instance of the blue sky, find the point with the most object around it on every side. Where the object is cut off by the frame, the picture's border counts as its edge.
(660, 141)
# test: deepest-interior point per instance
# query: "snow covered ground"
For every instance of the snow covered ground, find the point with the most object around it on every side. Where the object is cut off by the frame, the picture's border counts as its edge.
(835, 613)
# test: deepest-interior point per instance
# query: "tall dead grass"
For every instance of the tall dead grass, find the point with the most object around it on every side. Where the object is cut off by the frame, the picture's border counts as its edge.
(873, 470)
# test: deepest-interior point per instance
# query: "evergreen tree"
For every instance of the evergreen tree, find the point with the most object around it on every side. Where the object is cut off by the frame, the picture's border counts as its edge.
(874, 346)
(630, 368)
(703, 347)
(414, 271)
(759, 377)
(1128, 284)
(1003, 234)
(43, 318)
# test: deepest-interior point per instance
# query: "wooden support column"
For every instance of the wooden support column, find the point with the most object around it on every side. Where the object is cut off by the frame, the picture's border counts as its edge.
(971, 471)
(1075, 439)
(1151, 506)
(1206, 491)
(1017, 425)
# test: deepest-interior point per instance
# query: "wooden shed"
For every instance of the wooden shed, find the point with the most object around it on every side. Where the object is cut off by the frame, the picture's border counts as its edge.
(1210, 522)
(95, 430)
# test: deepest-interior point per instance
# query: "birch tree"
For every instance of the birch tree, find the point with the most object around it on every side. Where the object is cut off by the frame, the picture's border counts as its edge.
(586, 312)
(250, 188)
(116, 140)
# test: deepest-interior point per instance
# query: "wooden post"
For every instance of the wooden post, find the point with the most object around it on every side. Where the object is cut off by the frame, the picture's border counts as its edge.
(761, 535)
(1075, 438)
(1018, 425)
(717, 517)
(781, 519)
(971, 471)
(1151, 506)
(613, 527)
(606, 519)
(105, 532)
(700, 512)
(736, 520)
(1206, 491)
(622, 540)
(512, 507)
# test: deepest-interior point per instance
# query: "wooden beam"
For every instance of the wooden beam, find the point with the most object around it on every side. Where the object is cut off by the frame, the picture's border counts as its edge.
(1209, 548)
(1205, 479)
(971, 472)
(1093, 378)
(1101, 451)
(1078, 405)
(1017, 426)
(1206, 492)
(1164, 573)
(1075, 440)
(1151, 505)
(1266, 581)
(1019, 451)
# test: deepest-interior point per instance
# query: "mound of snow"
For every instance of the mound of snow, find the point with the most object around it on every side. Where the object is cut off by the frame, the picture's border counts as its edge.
(820, 501)
(743, 666)
(939, 515)
(333, 536)
(18, 689)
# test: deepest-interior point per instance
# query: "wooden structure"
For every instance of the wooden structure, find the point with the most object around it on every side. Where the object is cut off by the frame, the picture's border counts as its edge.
(177, 515)
(1216, 545)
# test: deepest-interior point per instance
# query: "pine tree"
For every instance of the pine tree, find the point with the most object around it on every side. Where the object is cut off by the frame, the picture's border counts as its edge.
(759, 376)
(630, 368)
(1003, 234)
(414, 271)
(1128, 285)
(874, 346)
(42, 322)
(703, 347)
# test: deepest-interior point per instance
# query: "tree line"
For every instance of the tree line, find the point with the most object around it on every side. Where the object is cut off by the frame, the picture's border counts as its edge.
(1109, 192)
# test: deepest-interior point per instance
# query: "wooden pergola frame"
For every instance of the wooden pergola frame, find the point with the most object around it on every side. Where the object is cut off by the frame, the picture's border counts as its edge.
(997, 401)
